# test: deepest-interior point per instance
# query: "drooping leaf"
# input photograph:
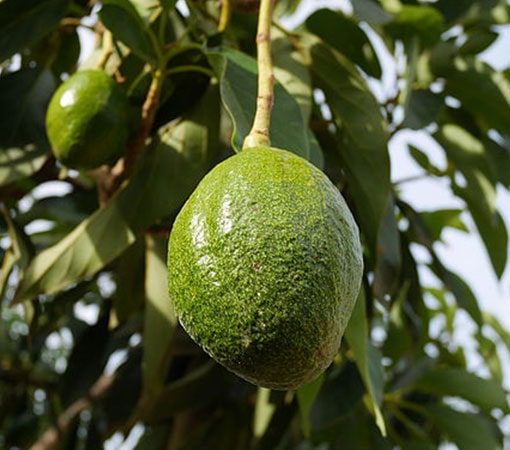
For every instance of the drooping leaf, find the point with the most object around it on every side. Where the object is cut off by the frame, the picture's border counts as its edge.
(468, 154)
(18, 254)
(24, 97)
(189, 391)
(23, 22)
(344, 35)
(485, 393)
(484, 92)
(478, 41)
(264, 410)
(467, 430)
(362, 137)
(371, 11)
(388, 259)
(460, 289)
(343, 383)
(306, 396)
(238, 83)
(422, 108)
(123, 20)
(130, 281)
(423, 23)
(176, 163)
(437, 220)
(160, 319)
(367, 359)
(291, 72)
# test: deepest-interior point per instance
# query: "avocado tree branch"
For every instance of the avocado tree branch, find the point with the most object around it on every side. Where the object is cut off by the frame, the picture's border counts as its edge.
(51, 437)
(259, 133)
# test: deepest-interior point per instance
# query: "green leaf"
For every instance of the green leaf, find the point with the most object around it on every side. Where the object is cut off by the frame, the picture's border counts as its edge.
(23, 22)
(422, 109)
(453, 382)
(238, 82)
(123, 20)
(424, 23)
(291, 72)
(264, 410)
(160, 319)
(468, 153)
(371, 12)
(190, 391)
(389, 259)
(171, 170)
(367, 359)
(362, 138)
(469, 431)
(489, 352)
(436, 221)
(484, 92)
(461, 291)
(499, 161)
(130, 281)
(17, 255)
(464, 9)
(344, 35)
(478, 41)
(306, 396)
(342, 383)
(498, 327)
(24, 96)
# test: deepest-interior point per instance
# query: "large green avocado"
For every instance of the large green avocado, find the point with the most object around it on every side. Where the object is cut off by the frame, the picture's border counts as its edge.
(264, 267)
(87, 121)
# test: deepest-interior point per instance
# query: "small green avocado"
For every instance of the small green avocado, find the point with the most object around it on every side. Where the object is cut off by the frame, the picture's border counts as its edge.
(87, 121)
(264, 267)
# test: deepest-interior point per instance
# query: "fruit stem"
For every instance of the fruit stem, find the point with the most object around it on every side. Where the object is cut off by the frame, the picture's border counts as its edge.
(259, 133)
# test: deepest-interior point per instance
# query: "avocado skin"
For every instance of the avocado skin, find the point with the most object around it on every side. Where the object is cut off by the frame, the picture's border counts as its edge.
(264, 267)
(87, 121)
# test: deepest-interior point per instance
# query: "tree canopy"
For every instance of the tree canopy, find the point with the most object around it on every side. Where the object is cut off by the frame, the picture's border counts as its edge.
(89, 342)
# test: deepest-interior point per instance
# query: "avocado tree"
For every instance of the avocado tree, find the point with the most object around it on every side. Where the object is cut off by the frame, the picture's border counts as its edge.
(91, 350)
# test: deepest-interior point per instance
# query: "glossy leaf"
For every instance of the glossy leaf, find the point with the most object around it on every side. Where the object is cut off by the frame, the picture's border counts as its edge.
(344, 35)
(169, 173)
(23, 22)
(366, 358)
(123, 20)
(363, 138)
(485, 393)
(238, 81)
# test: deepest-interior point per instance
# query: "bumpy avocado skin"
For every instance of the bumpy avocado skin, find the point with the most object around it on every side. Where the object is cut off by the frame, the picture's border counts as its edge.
(87, 120)
(264, 267)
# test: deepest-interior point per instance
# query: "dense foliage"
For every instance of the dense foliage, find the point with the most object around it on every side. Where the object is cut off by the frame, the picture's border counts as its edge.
(89, 343)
